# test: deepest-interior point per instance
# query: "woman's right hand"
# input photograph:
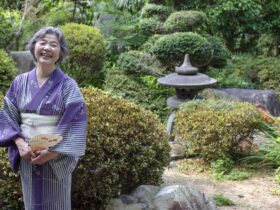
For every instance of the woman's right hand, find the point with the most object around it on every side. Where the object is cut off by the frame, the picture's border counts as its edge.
(24, 149)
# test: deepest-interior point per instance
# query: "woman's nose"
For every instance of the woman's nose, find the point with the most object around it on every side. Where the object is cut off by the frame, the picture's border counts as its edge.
(47, 47)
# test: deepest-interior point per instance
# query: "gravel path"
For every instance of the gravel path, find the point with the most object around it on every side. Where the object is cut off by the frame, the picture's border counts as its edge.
(260, 192)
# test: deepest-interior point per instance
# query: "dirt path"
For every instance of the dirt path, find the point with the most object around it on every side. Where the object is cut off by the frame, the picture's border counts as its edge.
(260, 192)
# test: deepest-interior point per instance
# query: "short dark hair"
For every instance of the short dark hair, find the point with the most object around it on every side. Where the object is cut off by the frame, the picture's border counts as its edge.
(41, 34)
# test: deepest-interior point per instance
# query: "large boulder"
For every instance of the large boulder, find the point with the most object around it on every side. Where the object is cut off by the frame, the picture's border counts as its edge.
(268, 99)
(150, 197)
(24, 61)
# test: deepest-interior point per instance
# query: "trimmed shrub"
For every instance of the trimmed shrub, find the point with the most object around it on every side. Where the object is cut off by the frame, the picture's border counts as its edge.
(140, 63)
(86, 51)
(171, 49)
(184, 21)
(220, 54)
(7, 70)
(214, 129)
(127, 146)
(147, 46)
(150, 10)
(149, 26)
(143, 90)
(10, 187)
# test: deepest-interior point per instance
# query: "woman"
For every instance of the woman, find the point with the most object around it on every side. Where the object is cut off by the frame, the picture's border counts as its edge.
(44, 101)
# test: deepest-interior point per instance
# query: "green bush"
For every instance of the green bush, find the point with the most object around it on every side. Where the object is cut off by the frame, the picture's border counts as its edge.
(86, 51)
(259, 70)
(228, 78)
(212, 129)
(10, 187)
(141, 89)
(126, 147)
(147, 46)
(268, 45)
(150, 10)
(149, 26)
(184, 21)
(171, 49)
(7, 70)
(139, 62)
(220, 54)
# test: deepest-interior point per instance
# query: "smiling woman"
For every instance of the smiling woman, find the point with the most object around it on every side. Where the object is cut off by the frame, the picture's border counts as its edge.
(44, 101)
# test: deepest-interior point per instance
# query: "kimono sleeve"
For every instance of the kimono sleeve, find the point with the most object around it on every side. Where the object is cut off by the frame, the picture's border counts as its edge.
(9, 125)
(9, 118)
(73, 123)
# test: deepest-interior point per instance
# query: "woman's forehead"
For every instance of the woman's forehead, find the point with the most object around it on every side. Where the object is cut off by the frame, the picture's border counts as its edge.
(50, 38)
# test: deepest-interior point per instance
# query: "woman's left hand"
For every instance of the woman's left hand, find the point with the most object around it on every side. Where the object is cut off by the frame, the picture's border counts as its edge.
(43, 156)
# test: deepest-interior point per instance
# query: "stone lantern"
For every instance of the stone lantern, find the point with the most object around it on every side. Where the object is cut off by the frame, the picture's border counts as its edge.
(188, 82)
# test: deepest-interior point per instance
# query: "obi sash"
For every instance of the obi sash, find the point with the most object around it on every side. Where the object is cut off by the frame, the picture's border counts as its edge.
(35, 124)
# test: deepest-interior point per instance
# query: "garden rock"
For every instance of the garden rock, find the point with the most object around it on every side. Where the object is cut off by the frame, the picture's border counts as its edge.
(177, 150)
(148, 197)
(266, 98)
(23, 60)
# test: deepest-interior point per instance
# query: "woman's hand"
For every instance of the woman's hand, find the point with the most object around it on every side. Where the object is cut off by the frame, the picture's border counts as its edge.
(24, 149)
(43, 156)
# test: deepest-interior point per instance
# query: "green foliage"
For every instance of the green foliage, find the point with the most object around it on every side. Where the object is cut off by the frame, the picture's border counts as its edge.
(268, 45)
(143, 90)
(150, 26)
(171, 49)
(184, 21)
(222, 201)
(260, 70)
(235, 20)
(220, 54)
(86, 52)
(126, 147)
(221, 166)
(59, 15)
(228, 78)
(212, 129)
(9, 23)
(139, 62)
(277, 175)
(150, 10)
(7, 70)
(10, 187)
(223, 169)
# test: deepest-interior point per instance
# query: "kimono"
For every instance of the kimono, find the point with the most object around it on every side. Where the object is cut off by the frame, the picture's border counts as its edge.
(46, 186)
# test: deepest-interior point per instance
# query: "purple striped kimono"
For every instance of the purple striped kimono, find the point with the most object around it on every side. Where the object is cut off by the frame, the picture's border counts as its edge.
(47, 186)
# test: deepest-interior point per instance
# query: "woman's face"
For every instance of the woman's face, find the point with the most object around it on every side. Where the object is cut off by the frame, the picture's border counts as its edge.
(47, 50)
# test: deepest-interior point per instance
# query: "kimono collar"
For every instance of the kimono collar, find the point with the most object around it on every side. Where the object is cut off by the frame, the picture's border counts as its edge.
(54, 79)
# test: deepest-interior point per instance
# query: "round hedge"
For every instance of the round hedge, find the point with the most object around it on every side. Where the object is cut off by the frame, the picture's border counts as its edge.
(220, 54)
(149, 26)
(140, 63)
(150, 10)
(212, 129)
(86, 51)
(7, 70)
(171, 49)
(126, 147)
(183, 21)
